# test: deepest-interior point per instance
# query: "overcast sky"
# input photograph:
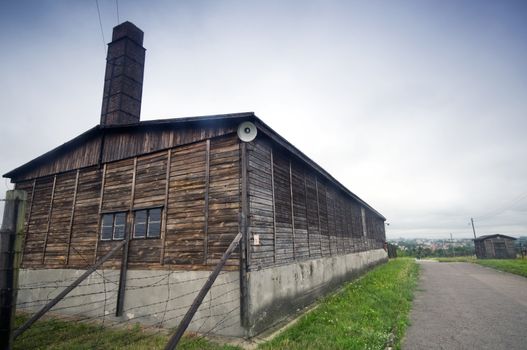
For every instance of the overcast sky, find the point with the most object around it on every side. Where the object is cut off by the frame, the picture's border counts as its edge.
(418, 107)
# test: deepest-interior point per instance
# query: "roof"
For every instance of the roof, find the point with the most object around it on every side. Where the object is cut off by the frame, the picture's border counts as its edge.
(482, 238)
(98, 130)
(186, 122)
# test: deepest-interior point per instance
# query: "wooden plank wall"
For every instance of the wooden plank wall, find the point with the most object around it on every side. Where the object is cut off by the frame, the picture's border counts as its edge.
(261, 202)
(84, 230)
(224, 199)
(38, 222)
(56, 248)
(78, 156)
(29, 187)
(284, 230)
(298, 215)
(122, 144)
(186, 206)
(63, 223)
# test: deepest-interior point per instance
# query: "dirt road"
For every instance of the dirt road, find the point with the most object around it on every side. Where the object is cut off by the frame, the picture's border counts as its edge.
(467, 306)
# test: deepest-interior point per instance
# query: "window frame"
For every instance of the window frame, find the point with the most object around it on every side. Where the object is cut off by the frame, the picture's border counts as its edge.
(147, 222)
(114, 215)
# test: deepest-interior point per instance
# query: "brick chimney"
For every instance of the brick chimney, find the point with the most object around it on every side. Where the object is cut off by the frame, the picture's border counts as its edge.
(123, 81)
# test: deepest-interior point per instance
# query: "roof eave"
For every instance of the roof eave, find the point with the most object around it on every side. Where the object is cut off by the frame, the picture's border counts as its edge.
(35, 161)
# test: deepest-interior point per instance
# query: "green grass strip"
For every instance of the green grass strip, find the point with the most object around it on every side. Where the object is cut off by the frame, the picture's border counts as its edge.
(515, 266)
(370, 313)
(62, 335)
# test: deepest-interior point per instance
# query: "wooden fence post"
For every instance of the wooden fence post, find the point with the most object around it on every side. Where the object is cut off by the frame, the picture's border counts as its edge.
(11, 238)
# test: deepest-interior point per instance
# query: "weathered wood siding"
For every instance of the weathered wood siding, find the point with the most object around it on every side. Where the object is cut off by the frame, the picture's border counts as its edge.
(56, 243)
(78, 156)
(261, 202)
(284, 230)
(124, 143)
(186, 207)
(297, 214)
(38, 222)
(85, 230)
(197, 186)
(224, 198)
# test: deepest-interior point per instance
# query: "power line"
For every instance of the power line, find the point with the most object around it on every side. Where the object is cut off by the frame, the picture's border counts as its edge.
(506, 207)
(100, 25)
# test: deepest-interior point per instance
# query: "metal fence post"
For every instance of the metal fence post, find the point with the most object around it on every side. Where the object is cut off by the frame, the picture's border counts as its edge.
(11, 238)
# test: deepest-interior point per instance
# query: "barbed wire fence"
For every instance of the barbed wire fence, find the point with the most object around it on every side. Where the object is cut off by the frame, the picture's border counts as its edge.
(51, 300)
(156, 301)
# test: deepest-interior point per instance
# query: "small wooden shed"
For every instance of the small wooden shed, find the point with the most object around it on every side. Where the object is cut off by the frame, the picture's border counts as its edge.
(495, 247)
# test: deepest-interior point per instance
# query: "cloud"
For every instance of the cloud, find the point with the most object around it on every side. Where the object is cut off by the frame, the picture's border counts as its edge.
(420, 108)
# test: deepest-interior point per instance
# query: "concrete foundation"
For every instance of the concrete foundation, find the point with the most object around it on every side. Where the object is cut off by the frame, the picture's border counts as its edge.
(161, 298)
(275, 293)
(157, 298)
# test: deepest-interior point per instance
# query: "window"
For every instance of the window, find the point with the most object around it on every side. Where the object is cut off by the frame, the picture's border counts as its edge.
(113, 226)
(147, 223)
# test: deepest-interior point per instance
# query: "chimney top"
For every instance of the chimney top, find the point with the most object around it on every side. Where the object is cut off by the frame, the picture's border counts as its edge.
(128, 30)
(123, 81)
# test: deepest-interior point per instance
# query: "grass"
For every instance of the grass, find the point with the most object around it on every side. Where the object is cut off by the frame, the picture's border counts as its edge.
(62, 335)
(370, 313)
(469, 259)
(515, 266)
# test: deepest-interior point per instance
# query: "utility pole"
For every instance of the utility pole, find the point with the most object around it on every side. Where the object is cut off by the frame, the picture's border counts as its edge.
(474, 230)
(452, 246)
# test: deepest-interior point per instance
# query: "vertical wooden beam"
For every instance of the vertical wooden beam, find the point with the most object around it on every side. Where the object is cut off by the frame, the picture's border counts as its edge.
(171, 138)
(348, 225)
(244, 241)
(49, 219)
(126, 247)
(327, 212)
(72, 215)
(27, 223)
(292, 207)
(335, 221)
(274, 207)
(165, 209)
(307, 216)
(318, 216)
(206, 209)
(101, 196)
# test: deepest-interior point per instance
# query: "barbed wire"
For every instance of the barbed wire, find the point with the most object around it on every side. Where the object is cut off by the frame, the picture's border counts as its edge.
(90, 301)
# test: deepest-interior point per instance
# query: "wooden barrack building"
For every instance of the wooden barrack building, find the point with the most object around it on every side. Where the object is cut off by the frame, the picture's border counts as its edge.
(181, 189)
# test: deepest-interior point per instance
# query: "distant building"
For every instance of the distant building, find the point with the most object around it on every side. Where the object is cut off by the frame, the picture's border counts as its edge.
(495, 247)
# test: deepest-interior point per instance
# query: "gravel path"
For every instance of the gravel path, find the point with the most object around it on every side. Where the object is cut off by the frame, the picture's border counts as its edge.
(467, 306)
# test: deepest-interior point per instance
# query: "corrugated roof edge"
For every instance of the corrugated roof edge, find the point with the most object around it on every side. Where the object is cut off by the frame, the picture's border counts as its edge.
(268, 131)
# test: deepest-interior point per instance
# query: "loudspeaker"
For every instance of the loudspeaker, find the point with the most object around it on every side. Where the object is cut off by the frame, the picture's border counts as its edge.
(247, 131)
